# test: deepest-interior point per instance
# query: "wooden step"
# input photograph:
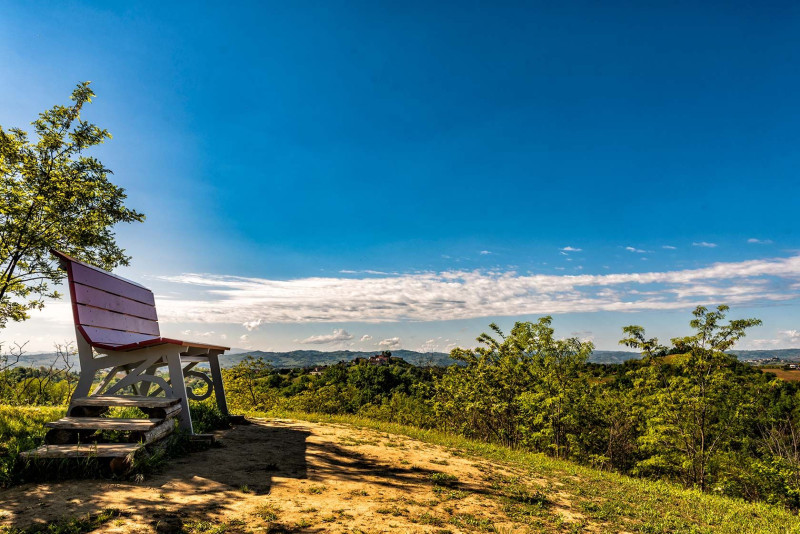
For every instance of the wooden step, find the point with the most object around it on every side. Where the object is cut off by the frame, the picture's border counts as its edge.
(154, 407)
(84, 450)
(129, 400)
(104, 423)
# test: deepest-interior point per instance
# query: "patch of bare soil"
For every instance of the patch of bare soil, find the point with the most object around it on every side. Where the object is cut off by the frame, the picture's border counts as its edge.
(280, 476)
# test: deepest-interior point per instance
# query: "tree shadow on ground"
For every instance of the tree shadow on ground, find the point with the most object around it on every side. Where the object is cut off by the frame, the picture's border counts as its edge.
(202, 485)
(213, 484)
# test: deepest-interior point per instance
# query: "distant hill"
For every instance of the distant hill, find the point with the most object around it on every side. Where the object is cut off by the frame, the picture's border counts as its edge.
(295, 358)
(781, 354)
(309, 358)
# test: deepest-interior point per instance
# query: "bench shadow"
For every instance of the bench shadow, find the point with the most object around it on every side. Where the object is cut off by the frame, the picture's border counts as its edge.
(249, 457)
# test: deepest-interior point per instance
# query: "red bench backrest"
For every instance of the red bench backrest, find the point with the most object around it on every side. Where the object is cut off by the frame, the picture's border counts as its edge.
(109, 310)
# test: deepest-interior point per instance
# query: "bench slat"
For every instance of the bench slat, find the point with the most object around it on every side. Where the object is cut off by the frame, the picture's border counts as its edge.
(104, 336)
(125, 400)
(106, 319)
(108, 301)
(87, 276)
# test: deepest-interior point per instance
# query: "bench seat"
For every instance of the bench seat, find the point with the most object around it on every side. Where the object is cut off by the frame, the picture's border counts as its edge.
(159, 341)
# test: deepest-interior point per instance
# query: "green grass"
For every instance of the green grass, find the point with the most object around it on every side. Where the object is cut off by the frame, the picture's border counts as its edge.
(614, 501)
(21, 428)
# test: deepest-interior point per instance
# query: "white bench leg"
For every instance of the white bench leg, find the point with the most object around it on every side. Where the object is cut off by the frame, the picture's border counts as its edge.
(177, 381)
(84, 383)
(216, 378)
(88, 369)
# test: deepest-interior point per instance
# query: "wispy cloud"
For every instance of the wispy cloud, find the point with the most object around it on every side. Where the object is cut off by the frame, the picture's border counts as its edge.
(636, 250)
(430, 345)
(755, 241)
(485, 252)
(193, 333)
(570, 249)
(668, 247)
(793, 336)
(450, 295)
(339, 334)
(391, 343)
(704, 244)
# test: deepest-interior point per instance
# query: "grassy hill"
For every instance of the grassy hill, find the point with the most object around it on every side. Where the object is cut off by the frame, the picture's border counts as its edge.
(301, 473)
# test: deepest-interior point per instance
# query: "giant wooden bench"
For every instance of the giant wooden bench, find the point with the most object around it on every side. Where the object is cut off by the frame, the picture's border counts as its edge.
(117, 333)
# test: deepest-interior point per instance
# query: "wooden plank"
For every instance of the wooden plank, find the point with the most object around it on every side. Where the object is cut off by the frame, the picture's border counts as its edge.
(88, 276)
(88, 316)
(126, 400)
(66, 258)
(112, 338)
(84, 450)
(108, 301)
(154, 434)
(104, 423)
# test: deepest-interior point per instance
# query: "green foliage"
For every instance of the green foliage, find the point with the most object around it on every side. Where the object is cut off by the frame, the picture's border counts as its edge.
(45, 385)
(21, 429)
(695, 407)
(52, 195)
(527, 388)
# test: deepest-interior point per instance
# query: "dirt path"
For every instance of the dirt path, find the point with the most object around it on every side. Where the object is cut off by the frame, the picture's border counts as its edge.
(280, 475)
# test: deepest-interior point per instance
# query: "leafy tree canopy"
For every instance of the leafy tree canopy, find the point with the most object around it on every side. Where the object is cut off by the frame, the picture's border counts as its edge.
(52, 195)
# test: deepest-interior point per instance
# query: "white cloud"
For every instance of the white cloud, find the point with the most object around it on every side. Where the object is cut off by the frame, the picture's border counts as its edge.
(704, 244)
(793, 336)
(195, 334)
(755, 241)
(637, 250)
(570, 249)
(253, 325)
(450, 295)
(429, 346)
(485, 252)
(366, 337)
(391, 343)
(583, 335)
(243, 337)
(339, 334)
(761, 344)
(668, 247)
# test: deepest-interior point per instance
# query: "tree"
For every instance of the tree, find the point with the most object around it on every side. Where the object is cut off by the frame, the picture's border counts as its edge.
(527, 387)
(696, 399)
(52, 195)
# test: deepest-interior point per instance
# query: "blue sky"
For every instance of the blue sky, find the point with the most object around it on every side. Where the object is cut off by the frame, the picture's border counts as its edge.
(318, 172)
